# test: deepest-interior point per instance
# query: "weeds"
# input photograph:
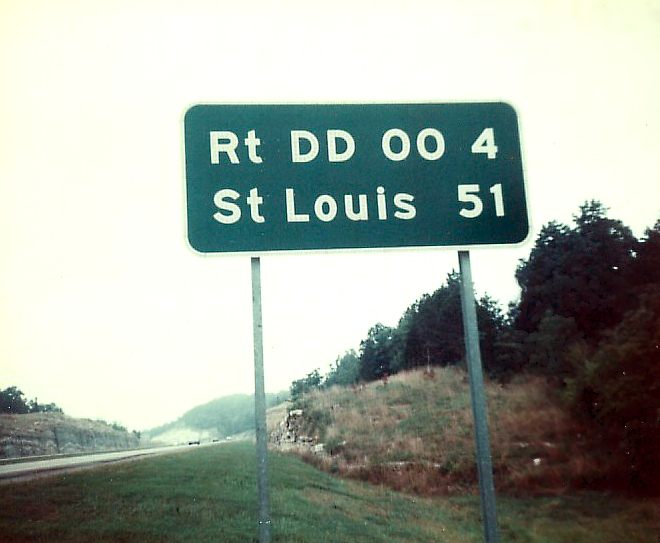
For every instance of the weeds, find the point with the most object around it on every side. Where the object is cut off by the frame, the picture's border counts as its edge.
(416, 434)
(209, 494)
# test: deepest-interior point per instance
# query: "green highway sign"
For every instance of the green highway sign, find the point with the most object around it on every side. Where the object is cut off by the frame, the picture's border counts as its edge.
(266, 178)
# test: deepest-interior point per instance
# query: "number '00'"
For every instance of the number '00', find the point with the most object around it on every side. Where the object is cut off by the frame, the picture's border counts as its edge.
(484, 144)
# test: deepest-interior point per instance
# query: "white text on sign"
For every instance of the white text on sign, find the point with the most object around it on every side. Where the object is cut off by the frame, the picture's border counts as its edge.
(305, 146)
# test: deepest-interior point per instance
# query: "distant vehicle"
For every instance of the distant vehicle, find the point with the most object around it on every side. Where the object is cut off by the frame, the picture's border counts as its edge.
(193, 442)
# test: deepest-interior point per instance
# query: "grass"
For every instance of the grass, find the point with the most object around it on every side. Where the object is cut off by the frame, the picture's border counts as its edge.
(415, 434)
(209, 494)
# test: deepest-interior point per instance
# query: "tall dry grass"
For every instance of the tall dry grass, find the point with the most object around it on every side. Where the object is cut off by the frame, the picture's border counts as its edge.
(415, 434)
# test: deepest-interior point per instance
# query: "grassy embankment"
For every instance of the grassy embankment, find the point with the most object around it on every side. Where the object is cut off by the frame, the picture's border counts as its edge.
(415, 434)
(209, 494)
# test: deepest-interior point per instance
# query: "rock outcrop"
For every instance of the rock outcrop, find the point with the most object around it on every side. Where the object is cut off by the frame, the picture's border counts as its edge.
(289, 434)
(54, 433)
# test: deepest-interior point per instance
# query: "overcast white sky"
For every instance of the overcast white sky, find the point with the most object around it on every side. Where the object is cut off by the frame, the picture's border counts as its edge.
(105, 309)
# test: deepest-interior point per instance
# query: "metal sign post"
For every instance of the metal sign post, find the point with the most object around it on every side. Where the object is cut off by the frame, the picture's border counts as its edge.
(478, 397)
(260, 405)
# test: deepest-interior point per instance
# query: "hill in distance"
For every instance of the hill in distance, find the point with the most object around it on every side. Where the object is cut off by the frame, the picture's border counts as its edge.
(218, 419)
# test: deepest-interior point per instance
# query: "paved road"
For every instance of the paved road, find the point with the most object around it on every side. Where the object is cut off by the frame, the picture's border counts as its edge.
(36, 468)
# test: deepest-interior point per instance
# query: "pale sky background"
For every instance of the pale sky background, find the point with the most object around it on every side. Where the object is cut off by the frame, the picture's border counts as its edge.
(105, 309)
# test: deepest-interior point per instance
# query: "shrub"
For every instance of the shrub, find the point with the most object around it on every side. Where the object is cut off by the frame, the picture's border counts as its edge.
(618, 389)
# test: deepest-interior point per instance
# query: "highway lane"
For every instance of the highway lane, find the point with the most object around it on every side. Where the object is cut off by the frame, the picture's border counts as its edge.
(27, 469)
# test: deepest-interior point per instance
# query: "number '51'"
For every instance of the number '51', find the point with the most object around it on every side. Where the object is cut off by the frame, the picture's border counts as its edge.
(468, 194)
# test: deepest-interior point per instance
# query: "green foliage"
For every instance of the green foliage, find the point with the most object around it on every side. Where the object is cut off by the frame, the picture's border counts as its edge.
(435, 334)
(618, 387)
(586, 320)
(511, 355)
(377, 353)
(589, 317)
(430, 332)
(548, 347)
(645, 269)
(579, 273)
(315, 421)
(300, 387)
(13, 401)
(209, 494)
(118, 427)
(434, 329)
(346, 370)
(493, 328)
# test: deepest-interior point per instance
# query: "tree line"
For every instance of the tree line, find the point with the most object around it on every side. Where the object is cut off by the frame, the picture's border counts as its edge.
(588, 319)
(13, 401)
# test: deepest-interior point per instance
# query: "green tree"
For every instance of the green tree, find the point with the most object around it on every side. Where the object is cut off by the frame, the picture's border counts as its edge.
(116, 426)
(434, 333)
(13, 401)
(493, 334)
(346, 370)
(645, 268)
(549, 346)
(35, 407)
(308, 383)
(376, 353)
(578, 273)
(618, 388)
(511, 354)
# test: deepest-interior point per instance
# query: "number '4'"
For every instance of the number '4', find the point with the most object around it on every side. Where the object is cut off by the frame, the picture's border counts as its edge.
(485, 144)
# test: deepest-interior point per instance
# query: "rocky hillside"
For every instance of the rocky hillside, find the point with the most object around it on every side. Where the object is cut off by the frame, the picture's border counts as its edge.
(54, 433)
(414, 433)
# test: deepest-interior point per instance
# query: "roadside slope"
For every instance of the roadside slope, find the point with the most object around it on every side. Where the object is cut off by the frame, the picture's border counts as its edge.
(415, 433)
(209, 494)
